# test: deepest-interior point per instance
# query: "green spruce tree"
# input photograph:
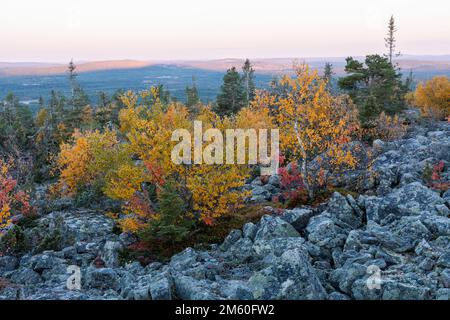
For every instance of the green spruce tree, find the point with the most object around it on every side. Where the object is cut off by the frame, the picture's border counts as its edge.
(232, 94)
(390, 40)
(328, 75)
(248, 81)
(374, 85)
(192, 97)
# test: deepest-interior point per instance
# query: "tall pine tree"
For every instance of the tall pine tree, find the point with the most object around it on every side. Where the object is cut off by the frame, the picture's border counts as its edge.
(328, 75)
(192, 97)
(390, 40)
(248, 81)
(232, 94)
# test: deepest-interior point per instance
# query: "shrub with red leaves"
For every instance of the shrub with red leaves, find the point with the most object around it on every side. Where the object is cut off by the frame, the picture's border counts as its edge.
(437, 182)
(293, 189)
(13, 200)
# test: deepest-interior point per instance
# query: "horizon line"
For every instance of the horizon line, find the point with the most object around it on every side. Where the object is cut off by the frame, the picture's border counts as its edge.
(208, 59)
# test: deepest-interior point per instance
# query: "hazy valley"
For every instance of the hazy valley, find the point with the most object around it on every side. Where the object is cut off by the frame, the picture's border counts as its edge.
(31, 80)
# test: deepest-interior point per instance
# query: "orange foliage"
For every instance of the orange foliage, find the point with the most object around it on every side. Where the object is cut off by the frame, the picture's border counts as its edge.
(210, 191)
(89, 160)
(433, 97)
(12, 199)
(311, 121)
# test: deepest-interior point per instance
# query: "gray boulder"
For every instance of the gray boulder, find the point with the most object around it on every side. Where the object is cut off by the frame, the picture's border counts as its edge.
(298, 217)
(271, 227)
(188, 288)
(110, 253)
(8, 263)
(411, 199)
(291, 277)
(323, 232)
(102, 278)
(26, 277)
(395, 290)
(161, 289)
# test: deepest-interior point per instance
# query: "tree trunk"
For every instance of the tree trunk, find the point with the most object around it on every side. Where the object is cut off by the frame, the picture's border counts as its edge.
(304, 167)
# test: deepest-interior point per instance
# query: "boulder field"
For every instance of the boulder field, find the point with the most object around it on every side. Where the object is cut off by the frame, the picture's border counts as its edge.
(390, 242)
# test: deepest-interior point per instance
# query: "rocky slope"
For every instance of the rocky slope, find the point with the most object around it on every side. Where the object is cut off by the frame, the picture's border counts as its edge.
(392, 242)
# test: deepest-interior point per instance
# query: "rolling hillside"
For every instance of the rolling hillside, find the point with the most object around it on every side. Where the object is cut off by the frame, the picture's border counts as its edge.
(31, 80)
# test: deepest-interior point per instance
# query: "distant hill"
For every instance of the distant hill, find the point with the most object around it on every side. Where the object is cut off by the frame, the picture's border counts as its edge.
(28, 69)
(425, 63)
(30, 80)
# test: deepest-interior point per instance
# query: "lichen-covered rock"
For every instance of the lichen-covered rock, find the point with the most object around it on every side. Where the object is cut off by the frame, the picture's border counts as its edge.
(410, 199)
(392, 242)
(323, 232)
(102, 278)
(290, 277)
(298, 217)
(271, 227)
(8, 263)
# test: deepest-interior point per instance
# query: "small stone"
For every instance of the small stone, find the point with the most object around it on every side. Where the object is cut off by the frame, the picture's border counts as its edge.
(444, 260)
(427, 264)
(98, 262)
(298, 218)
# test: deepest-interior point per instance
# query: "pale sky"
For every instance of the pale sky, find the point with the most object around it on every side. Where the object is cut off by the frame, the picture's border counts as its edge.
(57, 30)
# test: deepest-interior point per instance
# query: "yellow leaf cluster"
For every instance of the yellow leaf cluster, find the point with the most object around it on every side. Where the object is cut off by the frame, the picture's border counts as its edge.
(310, 119)
(12, 199)
(5, 214)
(91, 158)
(433, 97)
(212, 189)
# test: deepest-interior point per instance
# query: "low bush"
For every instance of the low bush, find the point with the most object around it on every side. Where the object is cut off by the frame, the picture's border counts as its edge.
(13, 200)
(384, 127)
(13, 242)
(433, 98)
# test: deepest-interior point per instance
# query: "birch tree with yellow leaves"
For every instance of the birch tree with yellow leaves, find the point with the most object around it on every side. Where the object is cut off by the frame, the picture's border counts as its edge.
(311, 121)
(209, 191)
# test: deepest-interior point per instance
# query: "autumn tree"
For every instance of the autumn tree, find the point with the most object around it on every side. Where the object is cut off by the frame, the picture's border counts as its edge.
(385, 127)
(312, 122)
(13, 200)
(208, 191)
(99, 161)
(433, 97)
(91, 160)
(232, 94)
